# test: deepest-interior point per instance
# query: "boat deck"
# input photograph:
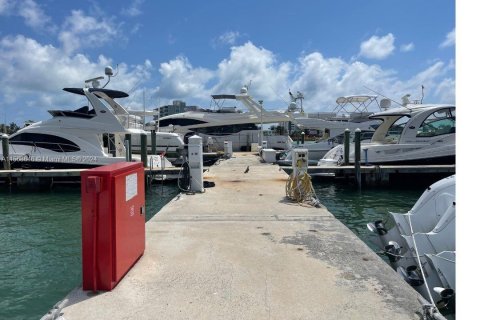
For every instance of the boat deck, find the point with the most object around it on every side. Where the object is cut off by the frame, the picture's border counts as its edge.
(241, 250)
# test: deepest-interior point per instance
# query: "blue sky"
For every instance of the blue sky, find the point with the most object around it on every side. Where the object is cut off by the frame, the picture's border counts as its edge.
(189, 50)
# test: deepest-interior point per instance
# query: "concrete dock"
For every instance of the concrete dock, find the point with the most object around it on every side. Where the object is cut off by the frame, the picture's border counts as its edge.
(241, 250)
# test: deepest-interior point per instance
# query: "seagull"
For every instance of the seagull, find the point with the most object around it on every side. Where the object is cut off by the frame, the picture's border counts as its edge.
(246, 170)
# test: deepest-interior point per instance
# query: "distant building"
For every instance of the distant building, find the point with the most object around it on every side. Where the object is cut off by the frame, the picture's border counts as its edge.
(177, 106)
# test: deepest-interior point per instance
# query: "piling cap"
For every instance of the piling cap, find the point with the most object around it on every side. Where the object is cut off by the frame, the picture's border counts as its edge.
(358, 130)
(195, 140)
(4, 136)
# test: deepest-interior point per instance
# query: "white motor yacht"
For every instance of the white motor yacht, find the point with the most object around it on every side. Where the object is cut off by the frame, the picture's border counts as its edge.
(420, 244)
(351, 112)
(167, 143)
(318, 149)
(70, 139)
(227, 123)
(412, 134)
(87, 137)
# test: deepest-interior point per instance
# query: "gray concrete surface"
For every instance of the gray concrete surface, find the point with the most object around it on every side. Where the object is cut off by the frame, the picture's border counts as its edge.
(242, 251)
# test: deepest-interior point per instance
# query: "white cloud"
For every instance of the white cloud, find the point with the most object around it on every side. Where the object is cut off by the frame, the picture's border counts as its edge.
(82, 31)
(258, 65)
(445, 90)
(407, 47)
(34, 16)
(321, 79)
(5, 6)
(181, 80)
(228, 38)
(134, 9)
(378, 47)
(33, 75)
(449, 40)
(37, 73)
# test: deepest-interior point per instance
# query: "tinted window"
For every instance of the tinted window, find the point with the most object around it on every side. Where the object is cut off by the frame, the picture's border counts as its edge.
(438, 123)
(225, 130)
(46, 141)
(179, 122)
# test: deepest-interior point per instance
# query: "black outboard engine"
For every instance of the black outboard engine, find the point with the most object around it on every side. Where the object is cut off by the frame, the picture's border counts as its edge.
(411, 275)
(393, 251)
(380, 227)
(447, 298)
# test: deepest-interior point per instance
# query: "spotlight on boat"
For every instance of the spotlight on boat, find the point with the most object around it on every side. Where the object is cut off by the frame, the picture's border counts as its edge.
(392, 250)
(411, 275)
(377, 227)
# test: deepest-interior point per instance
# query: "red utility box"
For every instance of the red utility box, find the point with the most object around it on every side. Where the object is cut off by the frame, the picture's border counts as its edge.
(113, 223)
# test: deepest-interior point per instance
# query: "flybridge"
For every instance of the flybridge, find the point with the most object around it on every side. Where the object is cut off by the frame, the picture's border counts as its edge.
(114, 94)
(251, 105)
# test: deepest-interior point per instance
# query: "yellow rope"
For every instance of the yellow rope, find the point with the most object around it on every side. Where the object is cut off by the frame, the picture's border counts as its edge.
(300, 189)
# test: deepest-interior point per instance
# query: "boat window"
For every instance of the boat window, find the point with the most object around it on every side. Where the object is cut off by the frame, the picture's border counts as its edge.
(396, 129)
(226, 129)
(46, 141)
(179, 122)
(438, 123)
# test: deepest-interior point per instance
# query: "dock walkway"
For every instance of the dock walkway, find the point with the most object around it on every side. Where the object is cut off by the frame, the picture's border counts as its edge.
(240, 250)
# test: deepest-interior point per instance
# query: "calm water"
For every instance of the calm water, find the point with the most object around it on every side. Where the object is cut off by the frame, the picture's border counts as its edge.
(40, 236)
(40, 247)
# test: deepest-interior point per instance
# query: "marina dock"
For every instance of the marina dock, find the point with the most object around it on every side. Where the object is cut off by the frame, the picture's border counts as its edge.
(241, 250)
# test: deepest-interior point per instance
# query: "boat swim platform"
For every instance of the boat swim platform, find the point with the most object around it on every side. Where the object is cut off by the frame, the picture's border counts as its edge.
(241, 250)
(380, 175)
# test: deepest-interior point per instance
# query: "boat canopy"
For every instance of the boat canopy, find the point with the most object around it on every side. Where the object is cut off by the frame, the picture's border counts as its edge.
(111, 93)
(356, 98)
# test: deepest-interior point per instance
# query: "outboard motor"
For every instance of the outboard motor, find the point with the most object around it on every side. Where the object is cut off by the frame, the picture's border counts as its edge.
(393, 250)
(378, 227)
(447, 298)
(411, 275)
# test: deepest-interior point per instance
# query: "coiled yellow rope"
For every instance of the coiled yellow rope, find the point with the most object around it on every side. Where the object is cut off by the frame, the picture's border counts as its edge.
(300, 189)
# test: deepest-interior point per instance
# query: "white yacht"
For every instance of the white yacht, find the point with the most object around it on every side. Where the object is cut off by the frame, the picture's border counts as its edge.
(167, 143)
(70, 139)
(90, 136)
(412, 134)
(351, 112)
(230, 123)
(420, 244)
(318, 149)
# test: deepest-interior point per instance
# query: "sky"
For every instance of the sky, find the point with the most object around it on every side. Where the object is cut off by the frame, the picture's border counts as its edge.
(189, 50)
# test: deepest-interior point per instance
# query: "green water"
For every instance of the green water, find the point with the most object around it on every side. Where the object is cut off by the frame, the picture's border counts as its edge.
(355, 208)
(40, 247)
(40, 237)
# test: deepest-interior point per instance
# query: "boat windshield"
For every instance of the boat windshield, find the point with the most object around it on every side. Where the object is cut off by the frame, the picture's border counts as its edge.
(396, 129)
(438, 123)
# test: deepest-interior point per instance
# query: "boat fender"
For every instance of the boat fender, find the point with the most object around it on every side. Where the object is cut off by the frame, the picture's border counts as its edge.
(392, 250)
(411, 276)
